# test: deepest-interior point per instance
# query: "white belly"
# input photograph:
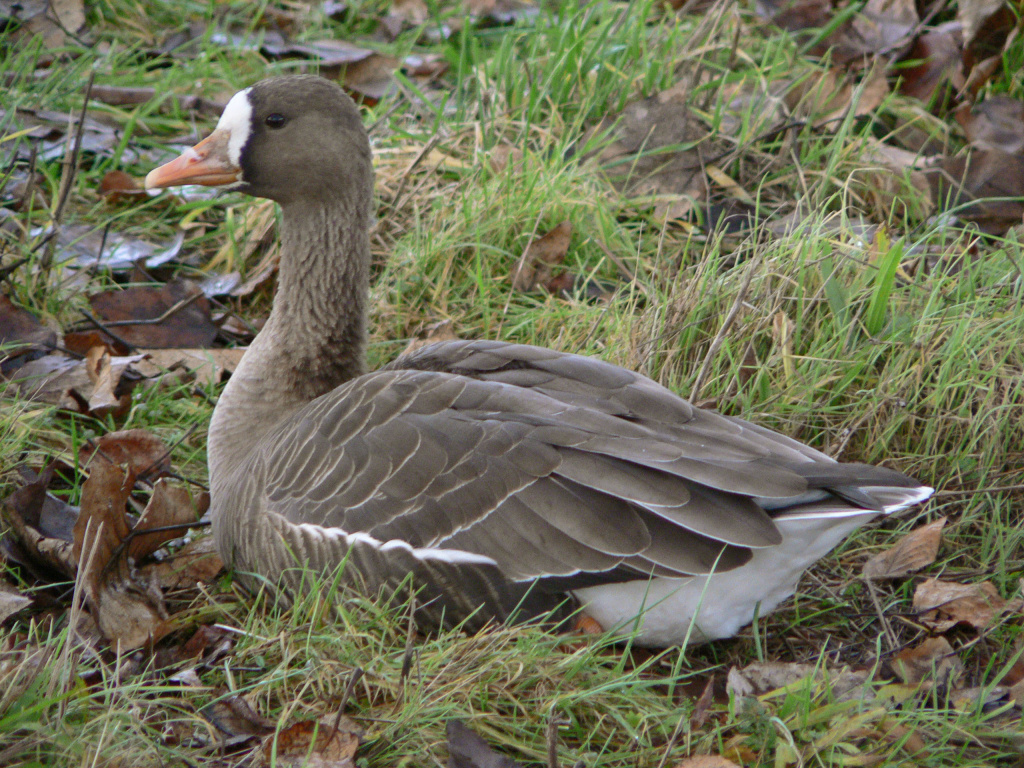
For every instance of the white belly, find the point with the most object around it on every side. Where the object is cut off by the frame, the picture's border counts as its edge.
(661, 610)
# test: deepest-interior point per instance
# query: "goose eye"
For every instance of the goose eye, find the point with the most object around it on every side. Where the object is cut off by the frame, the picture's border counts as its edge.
(275, 120)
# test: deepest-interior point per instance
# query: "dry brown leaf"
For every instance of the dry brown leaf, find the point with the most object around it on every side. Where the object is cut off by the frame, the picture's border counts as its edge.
(914, 551)
(883, 26)
(39, 527)
(978, 186)
(430, 334)
(760, 678)
(996, 124)
(974, 15)
(467, 749)
(143, 452)
(500, 11)
(11, 601)
(196, 562)
(233, 715)
(412, 12)
(637, 162)
(175, 315)
(702, 706)
(539, 256)
(20, 327)
(830, 96)
(314, 744)
(120, 187)
(937, 54)
(501, 155)
(934, 659)
(128, 614)
(1017, 693)
(706, 761)
(206, 366)
(64, 382)
(103, 402)
(172, 505)
(370, 80)
(50, 20)
(899, 181)
(944, 604)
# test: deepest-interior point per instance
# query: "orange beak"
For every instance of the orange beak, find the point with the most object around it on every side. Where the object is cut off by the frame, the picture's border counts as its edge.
(206, 163)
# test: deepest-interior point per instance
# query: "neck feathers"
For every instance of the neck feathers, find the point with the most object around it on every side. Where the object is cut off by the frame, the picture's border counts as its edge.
(315, 338)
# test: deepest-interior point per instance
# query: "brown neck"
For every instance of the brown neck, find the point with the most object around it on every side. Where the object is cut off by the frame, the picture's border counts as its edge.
(315, 337)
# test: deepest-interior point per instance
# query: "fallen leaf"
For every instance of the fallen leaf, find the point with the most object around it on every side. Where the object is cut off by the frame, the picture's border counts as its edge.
(466, 749)
(129, 614)
(314, 744)
(143, 452)
(934, 659)
(702, 705)
(761, 678)
(913, 552)
(196, 562)
(500, 11)
(25, 192)
(996, 124)
(64, 382)
(174, 315)
(40, 528)
(11, 601)
(119, 187)
(22, 336)
(706, 761)
(431, 334)
(233, 716)
(501, 155)
(975, 15)
(937, 57)
(329, 52)
(80, 342)
(882, 27)
(205, 366)
(942, 605)
(539, 256)
(84, 247)
(830, 96)
(370, 80)
(172, 506)
(50, 20)
(103, 401)
(412, 12)
(658, 152)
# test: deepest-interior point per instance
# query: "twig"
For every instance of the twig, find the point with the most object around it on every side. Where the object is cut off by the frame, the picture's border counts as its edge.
(890, 636)
(173, 310)
(552, 739)
(357, 675)
(102, 326)
(716, 343)
(675, 734)
(973, 491)
(5, 272)
(620, 266)
(69, 171)
(410, 634)
(434, 140)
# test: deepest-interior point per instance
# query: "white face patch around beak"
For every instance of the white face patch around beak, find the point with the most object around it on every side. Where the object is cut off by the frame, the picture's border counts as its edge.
(237, 121)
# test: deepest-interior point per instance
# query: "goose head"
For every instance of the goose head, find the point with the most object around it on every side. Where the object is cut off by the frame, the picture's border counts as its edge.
(295, 139)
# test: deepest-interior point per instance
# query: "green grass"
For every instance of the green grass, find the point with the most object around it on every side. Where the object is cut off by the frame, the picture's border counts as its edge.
(900, 346)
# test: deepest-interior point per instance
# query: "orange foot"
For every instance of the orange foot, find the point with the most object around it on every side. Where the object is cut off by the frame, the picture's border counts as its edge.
(585, 625)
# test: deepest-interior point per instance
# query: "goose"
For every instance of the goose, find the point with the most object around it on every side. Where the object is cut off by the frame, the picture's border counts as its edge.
(503, 482)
